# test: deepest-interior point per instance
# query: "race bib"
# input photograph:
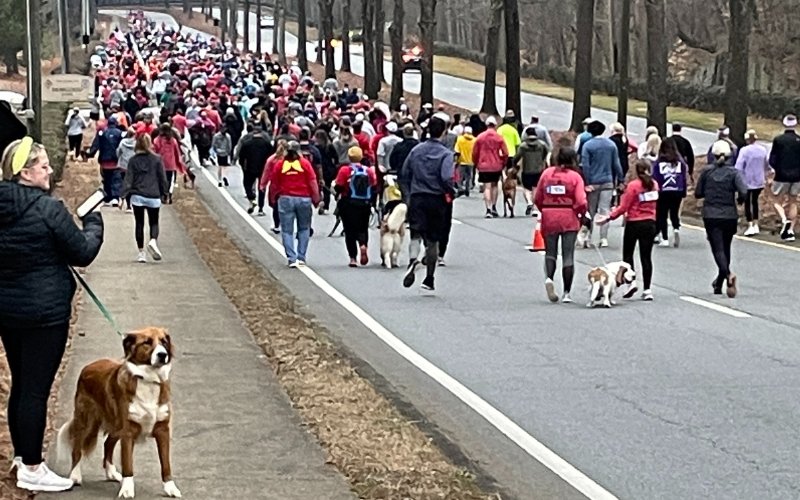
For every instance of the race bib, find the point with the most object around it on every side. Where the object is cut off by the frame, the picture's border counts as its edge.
(648, 196)
(556, 189)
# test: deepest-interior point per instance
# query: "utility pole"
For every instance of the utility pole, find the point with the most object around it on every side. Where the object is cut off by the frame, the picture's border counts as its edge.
(33, 8)
(63, 33)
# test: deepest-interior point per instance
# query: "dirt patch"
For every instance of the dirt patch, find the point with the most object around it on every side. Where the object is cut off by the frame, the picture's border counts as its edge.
(383, 455)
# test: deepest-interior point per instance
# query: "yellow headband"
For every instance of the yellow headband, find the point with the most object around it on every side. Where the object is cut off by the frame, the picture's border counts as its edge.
(21, 155)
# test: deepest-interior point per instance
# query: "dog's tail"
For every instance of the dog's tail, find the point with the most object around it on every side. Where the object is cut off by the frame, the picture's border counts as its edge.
(63, 451)
(397, 218)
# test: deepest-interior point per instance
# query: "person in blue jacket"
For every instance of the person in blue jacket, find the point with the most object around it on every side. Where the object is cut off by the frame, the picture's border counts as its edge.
(106, 143)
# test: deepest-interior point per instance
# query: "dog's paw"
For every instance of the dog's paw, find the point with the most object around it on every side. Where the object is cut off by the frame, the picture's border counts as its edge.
(126, 490)
(112, 474)
(76, 475)
(171, 490)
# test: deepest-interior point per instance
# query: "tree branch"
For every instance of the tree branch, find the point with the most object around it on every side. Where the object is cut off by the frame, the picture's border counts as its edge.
(696, 44)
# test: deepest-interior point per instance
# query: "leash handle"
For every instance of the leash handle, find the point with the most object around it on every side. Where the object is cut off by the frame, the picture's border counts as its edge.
(97, 301)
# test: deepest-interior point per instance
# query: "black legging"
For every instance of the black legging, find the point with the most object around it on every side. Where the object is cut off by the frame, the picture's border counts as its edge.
(642, 232)
(152, 219)
(447, 226)
(34, 356)
(568, 258)
(355, 222)
(75, 142)
(668, 205)
(751, 204)
(720, 234)
(250, 182)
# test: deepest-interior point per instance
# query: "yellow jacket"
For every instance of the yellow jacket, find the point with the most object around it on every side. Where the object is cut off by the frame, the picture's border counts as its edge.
(464, 145)
(511, 136)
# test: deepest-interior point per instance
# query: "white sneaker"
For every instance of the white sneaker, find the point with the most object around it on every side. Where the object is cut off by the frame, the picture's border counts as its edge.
(566, 299)
(664, 243)
(756, 230)
(115, 202)
(550, 287)
(750, 231)
(603, 242)
(293, 265)
(152, 247)
(41, 479)
(142, 257)
(16, 464)
(647, 295)
(301, 263)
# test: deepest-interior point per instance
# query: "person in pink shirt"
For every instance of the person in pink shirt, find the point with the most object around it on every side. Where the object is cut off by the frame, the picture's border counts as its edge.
(490, 155)
(168, 148)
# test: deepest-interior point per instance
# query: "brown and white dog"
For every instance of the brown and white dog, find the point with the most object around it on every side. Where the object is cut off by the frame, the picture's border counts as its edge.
(605, 280)
(393, 230)
(127, 400)
(510, 190)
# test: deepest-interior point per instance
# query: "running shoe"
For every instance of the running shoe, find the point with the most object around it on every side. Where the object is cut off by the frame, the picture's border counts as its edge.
(364, 255)
(252, 207)
(717, 287)
(427, 284)
(732, 288)
(408, 279)
(225, 181)
(550, 287)
(41, 479)
(495, 215)
(785, 229)
(632, 289)
(488, 214)
(664, 243)
(647, 296)
(676, 238)
(440, 262)
(353, 263)
(293, 265)
(276, 230)
(301, 263)
(528, 210)
(152, 247)
(603, 242)
(789, 236)
(142, 257)
(261, 213)
(566, 299)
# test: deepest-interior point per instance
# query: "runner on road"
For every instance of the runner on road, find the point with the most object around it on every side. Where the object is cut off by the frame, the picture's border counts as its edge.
(600, 166)
(490, 155)
(753, 166)
(785, 160)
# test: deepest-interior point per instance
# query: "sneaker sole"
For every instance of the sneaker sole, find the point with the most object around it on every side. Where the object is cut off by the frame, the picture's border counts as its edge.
(630, 293)
(427, 288)
(408, 279)
(156, 254)
(39, 487)
(551, 291)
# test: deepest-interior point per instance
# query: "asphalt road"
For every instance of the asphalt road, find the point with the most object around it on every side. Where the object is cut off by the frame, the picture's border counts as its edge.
(689, 397)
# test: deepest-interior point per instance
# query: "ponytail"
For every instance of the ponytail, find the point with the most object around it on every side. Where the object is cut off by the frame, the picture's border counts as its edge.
(643, 174)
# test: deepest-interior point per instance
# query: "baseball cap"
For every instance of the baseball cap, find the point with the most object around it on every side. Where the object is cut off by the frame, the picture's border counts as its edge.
(750, 133)
(587, 121)
(391, 127)
(721, 148)
(294, 146)
(427, 105)
(491, 121)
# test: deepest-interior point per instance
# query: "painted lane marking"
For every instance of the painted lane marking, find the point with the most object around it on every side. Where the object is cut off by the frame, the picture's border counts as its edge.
(502, 423)
(715, 307)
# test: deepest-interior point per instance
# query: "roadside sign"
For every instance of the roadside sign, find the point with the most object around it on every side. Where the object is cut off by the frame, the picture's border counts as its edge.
(66, 88)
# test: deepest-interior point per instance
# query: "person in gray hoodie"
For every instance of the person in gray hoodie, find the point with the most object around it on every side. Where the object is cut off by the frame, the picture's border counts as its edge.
(125, 151)
(223, 147)
(75, 126)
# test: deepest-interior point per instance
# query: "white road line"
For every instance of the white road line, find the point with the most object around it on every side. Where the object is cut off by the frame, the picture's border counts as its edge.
(514, 432)
(715, 307)
(750, 239)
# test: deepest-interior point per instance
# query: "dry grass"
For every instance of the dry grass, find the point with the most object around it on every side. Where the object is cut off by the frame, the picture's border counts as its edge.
(383, 455)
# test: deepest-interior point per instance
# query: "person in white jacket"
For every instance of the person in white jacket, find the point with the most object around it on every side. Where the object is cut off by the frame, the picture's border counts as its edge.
(75, 126)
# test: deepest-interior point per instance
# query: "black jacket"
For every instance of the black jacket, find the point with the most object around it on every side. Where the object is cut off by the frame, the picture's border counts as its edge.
(785, 157)
(621, 142)
(146, 177)
(686, 150)
(722, 188)
(254, 151)
(400, 152)
(38, 241)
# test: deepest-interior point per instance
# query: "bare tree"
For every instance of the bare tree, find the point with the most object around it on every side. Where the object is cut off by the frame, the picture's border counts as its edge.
(187, 8)
(302, 38)
(258, 26)
(380, 31)
(396, 39)
(513, 90)
(246, 31)
(281, 27)
(737, 103)
(275, 37)
(372, 84)
(234, 22)
(223, 19)
(657, 64)
(346, 35)
(582, 97)
(326, 12)
(489, 104)
(624, 63)
(203, 8)
(427, 29)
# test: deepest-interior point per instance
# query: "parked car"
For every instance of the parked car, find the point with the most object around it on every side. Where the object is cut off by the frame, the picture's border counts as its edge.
(412, 59)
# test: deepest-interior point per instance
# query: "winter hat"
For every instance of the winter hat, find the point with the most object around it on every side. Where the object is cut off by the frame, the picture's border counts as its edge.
(491, 121)
(468, 130)
(391, 127)
(790, 121)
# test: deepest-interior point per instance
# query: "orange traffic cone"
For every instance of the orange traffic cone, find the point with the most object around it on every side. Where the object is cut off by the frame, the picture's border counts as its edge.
(538, 240)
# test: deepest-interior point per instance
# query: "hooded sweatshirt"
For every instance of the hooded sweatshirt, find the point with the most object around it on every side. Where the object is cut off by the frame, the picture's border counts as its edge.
(671, 176)
(463, 147)
(490, 151)
(532, 154)
(125, 152)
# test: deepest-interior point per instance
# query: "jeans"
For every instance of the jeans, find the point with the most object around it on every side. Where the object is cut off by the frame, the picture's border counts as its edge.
(293, 208)
(642, 232)
(112, 183)
(720, 234)
(466, 182)
(668, 206)
(34, 356)
(600, 202)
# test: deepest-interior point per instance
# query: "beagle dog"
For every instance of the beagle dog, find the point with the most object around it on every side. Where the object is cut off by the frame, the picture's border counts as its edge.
(605, 280)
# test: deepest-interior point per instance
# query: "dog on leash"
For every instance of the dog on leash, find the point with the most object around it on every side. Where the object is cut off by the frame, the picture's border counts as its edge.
(510, 191)
(605, 280)
(393, 230)
(127, 400)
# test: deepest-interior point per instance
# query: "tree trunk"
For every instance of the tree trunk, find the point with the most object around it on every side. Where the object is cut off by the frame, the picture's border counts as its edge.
(275, 37)
(258, 26)
(380, 31)
(368, 36)
(281, 33)
(489, 105)
(657, 64)
(203, 9)
(346, 35)
(582, 97)
(427, 29)
(624, 63)
(396, 39)
(246, 31)
(235, 23)
(603, 39)
(513, 95)
(326, 11)
(302, 38)
(187, 9)
(320, 44)
(736, 91)
(223, 19)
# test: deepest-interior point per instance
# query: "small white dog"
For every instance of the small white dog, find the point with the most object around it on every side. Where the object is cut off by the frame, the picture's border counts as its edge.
(393, 230)
(605, 281)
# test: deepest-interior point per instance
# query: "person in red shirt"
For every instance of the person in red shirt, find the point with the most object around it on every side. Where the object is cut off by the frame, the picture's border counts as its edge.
(146, 126)
(490, 155)
(296, 191)
(363, 141)
(638, 205)
(355, 184)
(280, 154)
(561, 198)
(168, 148)
(179, 122)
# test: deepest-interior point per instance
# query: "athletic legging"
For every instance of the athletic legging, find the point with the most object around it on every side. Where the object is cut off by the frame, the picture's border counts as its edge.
(152, 219)
(75, 143)
(751, 204)
(668, 206)
(720, 234)
(34, 356)
(355, 222)
(568, 256)
(642, 232)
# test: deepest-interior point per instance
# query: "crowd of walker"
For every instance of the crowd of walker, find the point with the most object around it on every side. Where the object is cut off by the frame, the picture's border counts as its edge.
(301, 144)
